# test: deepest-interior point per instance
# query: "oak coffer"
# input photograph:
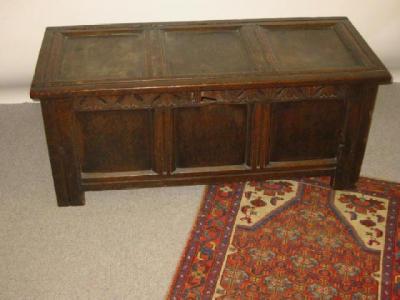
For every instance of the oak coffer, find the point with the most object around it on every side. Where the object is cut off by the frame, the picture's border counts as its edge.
(153, 104)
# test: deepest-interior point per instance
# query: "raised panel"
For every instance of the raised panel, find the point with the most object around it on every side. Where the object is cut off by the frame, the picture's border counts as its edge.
(206, 51)
(306, 129)
(102, 55)
(210, 135)
(307, 49)
(115, 141)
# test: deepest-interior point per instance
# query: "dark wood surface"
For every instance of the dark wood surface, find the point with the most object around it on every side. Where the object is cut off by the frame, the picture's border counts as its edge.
(175, 56)
(130, 105)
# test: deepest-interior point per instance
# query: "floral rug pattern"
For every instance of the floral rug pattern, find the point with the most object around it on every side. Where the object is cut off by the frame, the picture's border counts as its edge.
(285, 239)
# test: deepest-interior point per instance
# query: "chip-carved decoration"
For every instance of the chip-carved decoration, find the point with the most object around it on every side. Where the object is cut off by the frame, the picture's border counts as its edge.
(133, 101)
(273, 94)
(182, 99)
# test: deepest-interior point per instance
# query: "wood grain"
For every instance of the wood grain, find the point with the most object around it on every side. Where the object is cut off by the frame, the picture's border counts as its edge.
(108, 59)
(154, 104)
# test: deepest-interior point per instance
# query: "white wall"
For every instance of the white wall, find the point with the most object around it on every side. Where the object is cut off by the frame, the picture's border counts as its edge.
(22, 24)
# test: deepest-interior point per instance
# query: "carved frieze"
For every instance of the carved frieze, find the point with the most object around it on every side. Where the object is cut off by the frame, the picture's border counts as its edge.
(195, 98)
(273, 94)
(133, 101)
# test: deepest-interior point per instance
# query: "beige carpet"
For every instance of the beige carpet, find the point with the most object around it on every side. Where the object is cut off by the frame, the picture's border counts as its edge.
(122, 244)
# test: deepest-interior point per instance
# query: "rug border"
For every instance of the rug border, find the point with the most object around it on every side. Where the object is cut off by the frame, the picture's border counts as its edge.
(200, 207)
(386, 287)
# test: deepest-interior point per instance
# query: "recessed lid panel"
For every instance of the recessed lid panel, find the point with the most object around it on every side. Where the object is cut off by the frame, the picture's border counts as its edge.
(102, 56)
(309, 49)
(212, 51)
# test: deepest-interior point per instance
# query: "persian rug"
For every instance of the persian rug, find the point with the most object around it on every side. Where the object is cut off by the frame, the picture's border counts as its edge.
(287, 239)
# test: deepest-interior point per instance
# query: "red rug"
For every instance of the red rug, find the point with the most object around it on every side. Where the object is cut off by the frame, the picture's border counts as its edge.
(285, 239)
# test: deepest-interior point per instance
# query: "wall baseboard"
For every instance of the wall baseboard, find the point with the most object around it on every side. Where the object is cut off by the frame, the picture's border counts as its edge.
(14, 94)
(396, 75)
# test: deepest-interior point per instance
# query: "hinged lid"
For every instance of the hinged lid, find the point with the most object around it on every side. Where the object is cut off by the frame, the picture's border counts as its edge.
(110, 59)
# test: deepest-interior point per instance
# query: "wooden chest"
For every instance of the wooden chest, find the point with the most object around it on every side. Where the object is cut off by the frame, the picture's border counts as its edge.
(134, 105)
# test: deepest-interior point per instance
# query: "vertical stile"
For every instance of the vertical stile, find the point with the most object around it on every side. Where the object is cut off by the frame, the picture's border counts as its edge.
(264, 135)
(158, 165)
(168, 140)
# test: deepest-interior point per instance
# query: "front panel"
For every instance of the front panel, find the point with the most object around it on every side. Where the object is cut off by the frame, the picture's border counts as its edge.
(304, 130)
(210, 135)
(202, 135)
(115, 140)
